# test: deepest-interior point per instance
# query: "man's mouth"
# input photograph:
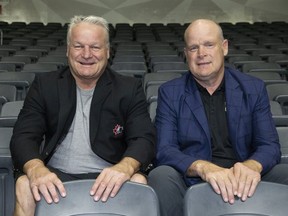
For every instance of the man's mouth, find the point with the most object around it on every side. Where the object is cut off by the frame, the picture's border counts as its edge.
(203, 63)
(86, 63)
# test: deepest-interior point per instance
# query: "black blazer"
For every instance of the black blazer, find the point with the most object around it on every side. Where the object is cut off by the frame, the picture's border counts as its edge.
(120, 125)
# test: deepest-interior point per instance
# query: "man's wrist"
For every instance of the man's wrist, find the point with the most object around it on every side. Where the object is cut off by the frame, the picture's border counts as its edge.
(131, 164)
(254, 165)
(197, 168)
(32, 165)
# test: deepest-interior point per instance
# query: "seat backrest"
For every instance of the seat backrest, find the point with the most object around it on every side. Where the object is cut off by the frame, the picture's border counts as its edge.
(55, 59)
(6, 66)
(265, 76)
(261, 66)
(9, 113)
(11, 108)
(277, 89)
(136, 68)
(132, 200)
(270, 199)
(5, 133)
(24, 59)
(39, 67)
(244, 58)
(7, 197)
(158, 78)
(129, 59)
(21, 80)
(152, 110)
(276, 108)
(283, 139)
(8, 91)
(170, 67)
(152, 93)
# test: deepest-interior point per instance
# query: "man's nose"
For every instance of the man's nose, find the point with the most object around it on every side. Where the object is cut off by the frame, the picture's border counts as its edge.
(201, 50)
(86, 52)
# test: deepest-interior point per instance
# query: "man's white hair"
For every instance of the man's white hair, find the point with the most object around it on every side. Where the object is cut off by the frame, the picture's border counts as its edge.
(88, 19)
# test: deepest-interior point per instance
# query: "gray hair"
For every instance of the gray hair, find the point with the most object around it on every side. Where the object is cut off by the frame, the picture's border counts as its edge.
(88, 19)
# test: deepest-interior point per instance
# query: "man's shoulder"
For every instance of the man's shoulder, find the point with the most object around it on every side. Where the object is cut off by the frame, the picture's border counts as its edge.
(242, 77)
(175, 88)
(180, 81)
(246, 81)
(121, 79)
(53, 75)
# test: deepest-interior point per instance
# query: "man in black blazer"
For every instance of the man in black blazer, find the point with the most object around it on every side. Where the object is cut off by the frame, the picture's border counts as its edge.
(95, 123)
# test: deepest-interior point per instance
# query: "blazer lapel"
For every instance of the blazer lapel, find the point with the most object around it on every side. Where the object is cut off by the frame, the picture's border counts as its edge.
(101, 92)
(67, 107)
(234, 98)
(195, 104)
(67, 101)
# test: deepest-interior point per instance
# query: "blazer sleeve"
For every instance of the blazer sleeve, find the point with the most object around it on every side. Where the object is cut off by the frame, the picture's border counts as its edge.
(265, 143)
(169, 150)
(141, 133)
(29, 129)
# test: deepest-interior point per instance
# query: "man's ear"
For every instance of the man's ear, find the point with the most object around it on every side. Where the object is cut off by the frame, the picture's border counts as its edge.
(108, 53)
(185, 52)
(225, 47)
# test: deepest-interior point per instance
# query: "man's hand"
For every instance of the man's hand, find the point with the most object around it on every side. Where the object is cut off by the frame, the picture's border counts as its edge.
(241, 180)
(221, 179)
(44, 182)
(248, 176)
(112, 178)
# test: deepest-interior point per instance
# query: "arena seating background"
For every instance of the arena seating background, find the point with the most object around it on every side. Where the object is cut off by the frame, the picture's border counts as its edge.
(153, 53)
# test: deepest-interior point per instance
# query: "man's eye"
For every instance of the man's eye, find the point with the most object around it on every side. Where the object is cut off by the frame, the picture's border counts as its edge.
(193, 49)
(77, 47)
(95, 48)
(209, 45)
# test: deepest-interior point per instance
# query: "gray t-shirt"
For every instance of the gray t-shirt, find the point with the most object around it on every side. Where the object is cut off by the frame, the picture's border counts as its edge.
(74, 155)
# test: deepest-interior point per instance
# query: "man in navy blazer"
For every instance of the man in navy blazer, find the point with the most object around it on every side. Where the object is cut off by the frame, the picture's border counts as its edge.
(213, 124)
(95, 123)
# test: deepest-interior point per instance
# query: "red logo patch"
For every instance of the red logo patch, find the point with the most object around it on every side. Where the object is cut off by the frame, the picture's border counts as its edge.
(118, 129)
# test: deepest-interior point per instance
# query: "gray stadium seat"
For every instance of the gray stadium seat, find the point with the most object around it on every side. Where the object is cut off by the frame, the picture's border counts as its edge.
(137, 69)
(263, 66)
(21, 80)
(152, 93)
(8, 91)
(283, 138)
(279, 92)
(158, 78)
(6, 174)
(40, 67)
(11, 108)
(152, 110)
(268, 77)
(180, 67)
(132, 200)
(270, 199)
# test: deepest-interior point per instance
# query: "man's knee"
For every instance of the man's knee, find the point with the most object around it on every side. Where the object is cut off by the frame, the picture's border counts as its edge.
(170, 188)
(25, 203)
(22, 185)
(278, 174)
(139, 178)
(164, 173)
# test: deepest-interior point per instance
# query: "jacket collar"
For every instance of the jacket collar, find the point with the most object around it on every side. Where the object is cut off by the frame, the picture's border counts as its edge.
(234, 99)
(101, 92)
(67, 101)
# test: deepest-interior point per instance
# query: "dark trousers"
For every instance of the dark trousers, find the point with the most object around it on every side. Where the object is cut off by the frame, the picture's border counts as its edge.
(170, 187)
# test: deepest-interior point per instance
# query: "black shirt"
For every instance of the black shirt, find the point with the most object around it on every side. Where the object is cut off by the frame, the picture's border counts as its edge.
(215, 109)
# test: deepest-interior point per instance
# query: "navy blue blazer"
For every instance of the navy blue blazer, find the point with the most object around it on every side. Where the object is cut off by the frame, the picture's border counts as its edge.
(183, 131)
